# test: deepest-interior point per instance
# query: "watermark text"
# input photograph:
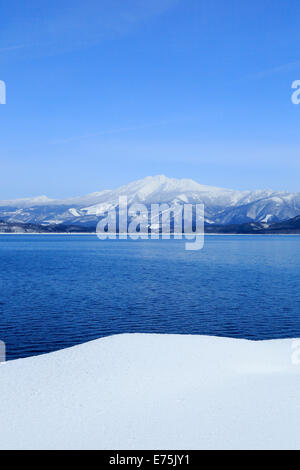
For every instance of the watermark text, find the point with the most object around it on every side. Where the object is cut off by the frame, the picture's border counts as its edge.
(295, 358)
(296, 94)
(139, 221)
(2, 352)
(2, 92)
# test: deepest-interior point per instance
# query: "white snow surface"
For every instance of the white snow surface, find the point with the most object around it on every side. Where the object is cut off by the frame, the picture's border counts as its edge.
(137, 391)
(222, 206)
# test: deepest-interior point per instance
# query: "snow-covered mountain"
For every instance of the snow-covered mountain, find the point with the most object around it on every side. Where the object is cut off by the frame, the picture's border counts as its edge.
(222, 206)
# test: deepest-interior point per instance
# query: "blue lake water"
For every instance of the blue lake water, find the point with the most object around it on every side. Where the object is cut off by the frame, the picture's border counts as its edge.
(60, 290)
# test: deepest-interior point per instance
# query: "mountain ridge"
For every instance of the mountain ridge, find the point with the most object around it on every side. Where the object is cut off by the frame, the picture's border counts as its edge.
(291, 226)
(222, 206)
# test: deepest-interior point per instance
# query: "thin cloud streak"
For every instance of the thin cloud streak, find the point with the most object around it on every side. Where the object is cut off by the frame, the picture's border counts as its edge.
(281, 68)
(12, 48)
(115, 131)
(86, 25)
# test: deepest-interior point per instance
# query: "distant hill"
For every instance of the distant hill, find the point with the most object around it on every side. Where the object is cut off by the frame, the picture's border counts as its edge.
(7, 227)
(288, 226)
(222, 206)
(291, 226)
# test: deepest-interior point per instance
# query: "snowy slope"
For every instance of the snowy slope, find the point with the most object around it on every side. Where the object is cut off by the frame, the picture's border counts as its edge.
(153, 392)
(222, 206)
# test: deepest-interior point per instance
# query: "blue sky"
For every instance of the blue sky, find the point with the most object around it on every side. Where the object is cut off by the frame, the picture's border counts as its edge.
(103, 92)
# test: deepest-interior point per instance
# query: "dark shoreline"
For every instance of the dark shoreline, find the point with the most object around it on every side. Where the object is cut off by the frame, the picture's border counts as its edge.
(287, 227)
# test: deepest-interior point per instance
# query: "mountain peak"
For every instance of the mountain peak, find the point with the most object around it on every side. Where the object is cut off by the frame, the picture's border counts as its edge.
(27, 202)
(222, 206)
(151, 184)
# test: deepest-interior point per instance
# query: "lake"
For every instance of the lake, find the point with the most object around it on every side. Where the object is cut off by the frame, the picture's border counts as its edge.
(60, 290)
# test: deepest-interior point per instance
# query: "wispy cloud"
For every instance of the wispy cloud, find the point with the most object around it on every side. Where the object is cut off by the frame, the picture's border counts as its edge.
(12, 48)
(78, 25)
(117, 131)
(276, 70)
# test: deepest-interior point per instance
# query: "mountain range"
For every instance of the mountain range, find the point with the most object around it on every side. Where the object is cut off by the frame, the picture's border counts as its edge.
(223, 207)
(291, 226)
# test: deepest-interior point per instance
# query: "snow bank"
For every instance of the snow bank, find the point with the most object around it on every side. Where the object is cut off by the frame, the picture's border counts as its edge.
(153, 391)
